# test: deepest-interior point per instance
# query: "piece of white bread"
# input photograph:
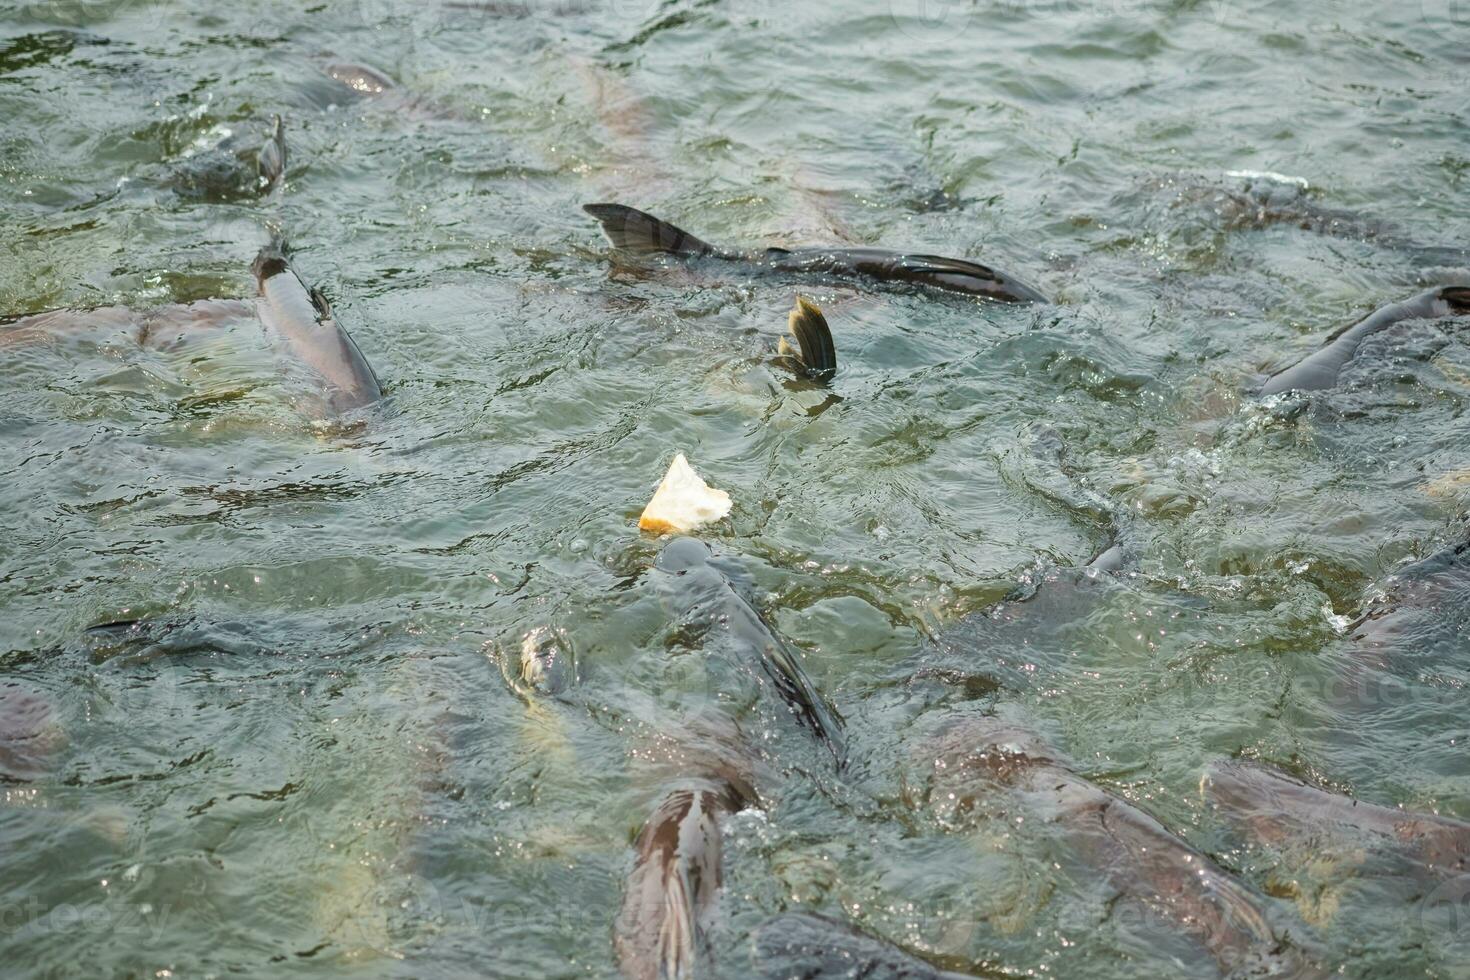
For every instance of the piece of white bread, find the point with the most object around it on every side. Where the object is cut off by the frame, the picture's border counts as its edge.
(683, 501)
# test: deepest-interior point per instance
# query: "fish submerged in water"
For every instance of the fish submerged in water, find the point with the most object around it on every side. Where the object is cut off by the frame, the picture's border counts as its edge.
(704, 594)
(235, 169)
(1320, 370)
(296, 317)
(1422, 614)
(635, 231)
(1277, 808)
(706, 772)
(978, 758)
(302, 321)
(801, 944)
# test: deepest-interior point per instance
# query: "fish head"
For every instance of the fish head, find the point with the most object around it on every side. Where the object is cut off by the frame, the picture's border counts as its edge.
(683, 555)
(547, 664)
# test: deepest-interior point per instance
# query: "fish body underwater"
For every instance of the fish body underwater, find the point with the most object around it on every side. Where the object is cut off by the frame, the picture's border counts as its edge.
(703, 593)
(976, 759)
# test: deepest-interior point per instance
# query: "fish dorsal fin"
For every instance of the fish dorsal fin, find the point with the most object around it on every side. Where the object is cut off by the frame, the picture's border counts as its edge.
(637, 231)
(809, 326)
(270, 162)
(938, 264)
(319, 300)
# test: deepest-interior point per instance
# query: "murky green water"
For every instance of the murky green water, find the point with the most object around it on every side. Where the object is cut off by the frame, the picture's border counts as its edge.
(320, 768)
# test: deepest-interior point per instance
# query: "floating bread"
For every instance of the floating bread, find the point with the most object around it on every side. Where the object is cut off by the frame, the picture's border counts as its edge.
(683, 501)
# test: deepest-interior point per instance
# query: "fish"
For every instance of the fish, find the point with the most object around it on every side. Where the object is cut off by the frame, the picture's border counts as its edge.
(301, 320)
(1320, 370)
(1413, 623)
(637, 232)
(30, 733)
(161, 328)
(815, 352)
(1277, 808)
(977, 758)
(544, 665)
(1424, 606)
(236, 168)
(812, 947)
(1254, 201)
(698, 581)
(52, 326)
(676, 879)
(297, 317)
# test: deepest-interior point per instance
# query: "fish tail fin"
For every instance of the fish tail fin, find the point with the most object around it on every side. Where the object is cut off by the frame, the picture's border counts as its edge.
(636, 231)
(271, 260)
(679, 930)
(1458, 297)
(271, 161)
(809, 326)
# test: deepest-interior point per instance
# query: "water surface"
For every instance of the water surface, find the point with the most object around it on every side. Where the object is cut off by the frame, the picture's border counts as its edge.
(315, 765)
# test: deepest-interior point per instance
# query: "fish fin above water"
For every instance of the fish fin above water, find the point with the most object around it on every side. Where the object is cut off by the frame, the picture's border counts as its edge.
(271, 161)
(636, 231)
(319, 300)
(938, 265)
(271, 260)
(809, 326)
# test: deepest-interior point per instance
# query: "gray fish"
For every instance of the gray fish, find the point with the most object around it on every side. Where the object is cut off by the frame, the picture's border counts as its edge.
(302, 321)
(160, 328)
(1436, 589)
(237, 168)
(1419, 619)
(635, 231)
(30, 732)
(1320, 370)
(705, 595)
(1277, 808)
(675, 882)
(53, 326)
(1262, 200)
(979, 757)
(811, 947)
